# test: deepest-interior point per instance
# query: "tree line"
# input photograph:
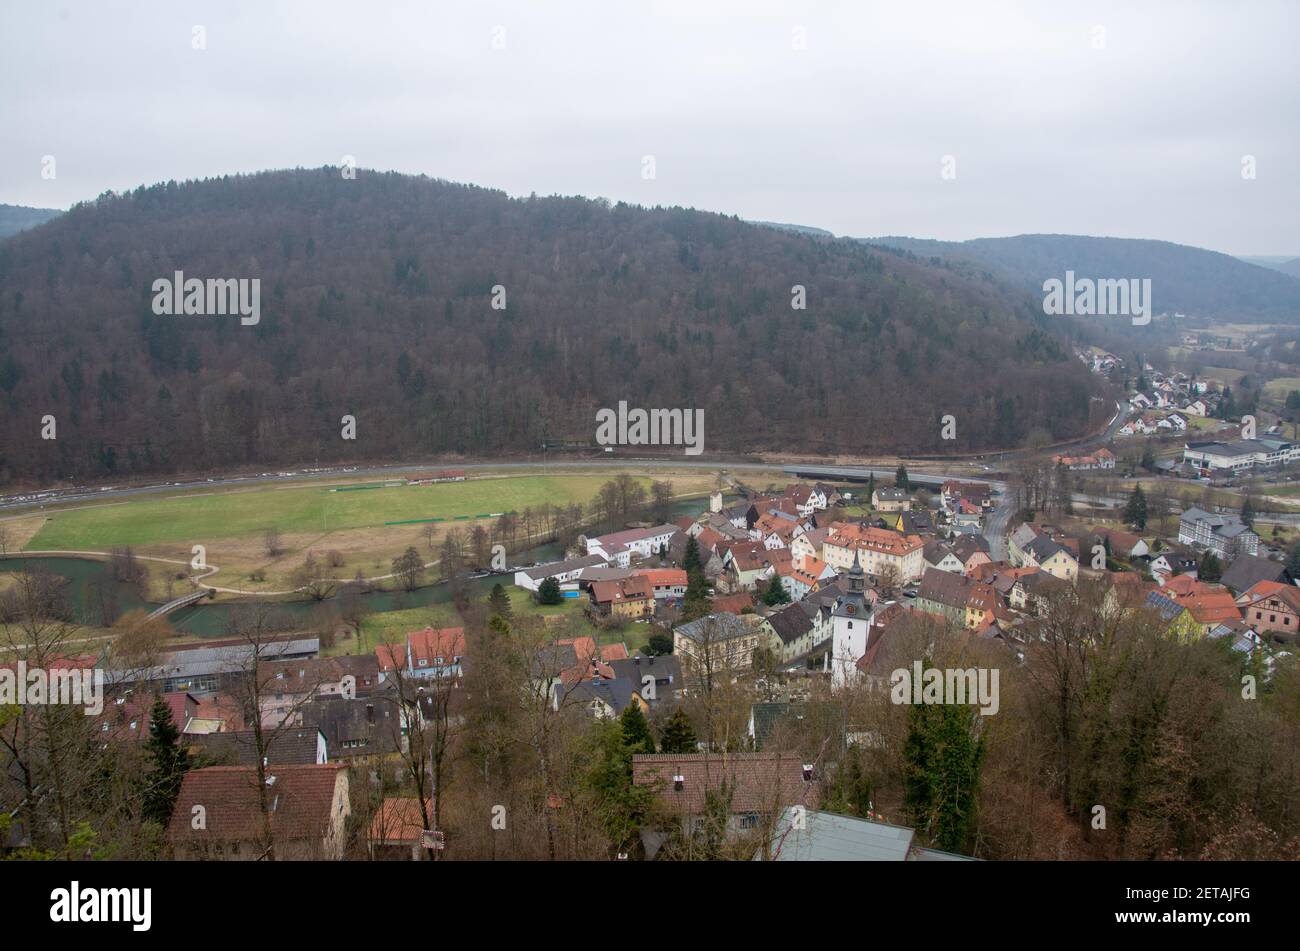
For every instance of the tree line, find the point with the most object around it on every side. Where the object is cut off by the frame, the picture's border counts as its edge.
(377, 300)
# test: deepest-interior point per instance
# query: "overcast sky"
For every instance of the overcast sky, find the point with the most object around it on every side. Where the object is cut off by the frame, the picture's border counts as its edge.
(1143, 138)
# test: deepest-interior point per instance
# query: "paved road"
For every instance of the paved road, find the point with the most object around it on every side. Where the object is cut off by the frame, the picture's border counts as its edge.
(1104, 438)
(110, 493)
(17, 502)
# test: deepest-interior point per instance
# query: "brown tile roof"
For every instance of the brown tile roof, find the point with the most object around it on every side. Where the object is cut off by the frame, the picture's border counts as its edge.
(284, 747)
(309, 674)
(731, 603)
(610, 652)
(781, 560)
(224, 707)
(983, 598)
(1120, 542)
(759, 782)
(301, 798)
(626, 589)
(709, 540)
(944, 587)
(589, 662)
(783, 528)
(750, 556)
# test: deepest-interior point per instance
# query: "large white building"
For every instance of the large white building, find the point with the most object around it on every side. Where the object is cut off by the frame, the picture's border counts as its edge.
(877, 549)
(1240, 454)
(1226, 535)
(620, 547)
(562, 571)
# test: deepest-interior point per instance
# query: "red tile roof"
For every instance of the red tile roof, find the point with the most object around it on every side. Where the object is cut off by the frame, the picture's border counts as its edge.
(610, 652)
(223, 707)
(731, 603)
(663, 577)
(853, 535)
(398, 821)
(429, 644)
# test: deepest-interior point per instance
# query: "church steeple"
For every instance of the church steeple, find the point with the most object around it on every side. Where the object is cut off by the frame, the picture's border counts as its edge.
(856, 581)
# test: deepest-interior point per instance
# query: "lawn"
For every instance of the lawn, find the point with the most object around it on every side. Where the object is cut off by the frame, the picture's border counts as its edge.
(353, 527)
(1280, 387)
(569, 618)
(303, 508)
(1203, 422)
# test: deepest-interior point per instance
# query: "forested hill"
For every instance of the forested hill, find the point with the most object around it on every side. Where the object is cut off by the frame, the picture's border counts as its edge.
(1184, 279)
(16, 218)
(376, 301)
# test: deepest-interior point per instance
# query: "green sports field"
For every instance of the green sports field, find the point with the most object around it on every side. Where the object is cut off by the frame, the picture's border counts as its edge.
(157, 519)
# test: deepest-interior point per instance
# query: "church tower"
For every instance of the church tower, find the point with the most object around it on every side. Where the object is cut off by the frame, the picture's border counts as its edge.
(850, 622)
